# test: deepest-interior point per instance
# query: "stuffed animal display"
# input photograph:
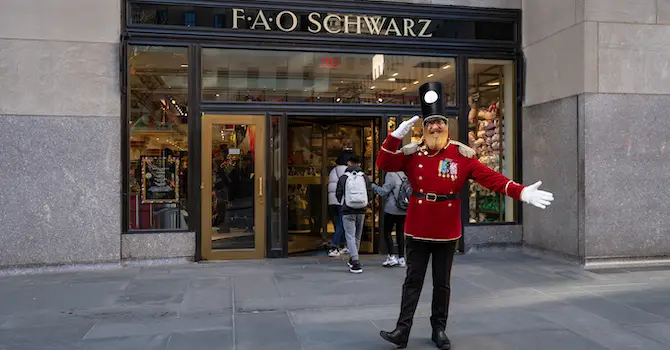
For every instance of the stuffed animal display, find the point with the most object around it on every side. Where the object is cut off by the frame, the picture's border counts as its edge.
(487, 139)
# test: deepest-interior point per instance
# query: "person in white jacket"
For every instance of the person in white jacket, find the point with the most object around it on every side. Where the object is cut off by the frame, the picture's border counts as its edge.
(338, 246)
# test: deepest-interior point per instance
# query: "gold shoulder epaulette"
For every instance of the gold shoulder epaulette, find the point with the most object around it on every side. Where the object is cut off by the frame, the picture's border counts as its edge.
(410, 149)
(463, 149)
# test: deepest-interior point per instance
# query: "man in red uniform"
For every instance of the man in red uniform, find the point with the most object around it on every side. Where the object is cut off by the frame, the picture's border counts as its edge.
(437, 169)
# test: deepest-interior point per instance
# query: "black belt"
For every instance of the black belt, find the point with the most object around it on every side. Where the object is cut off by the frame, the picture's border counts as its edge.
(432, 197)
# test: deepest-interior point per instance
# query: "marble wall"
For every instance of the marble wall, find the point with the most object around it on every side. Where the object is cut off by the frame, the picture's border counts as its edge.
(60, 114)
(597, 81)
(158, 245)
(627, 162)
(60, 190)
(550, 155)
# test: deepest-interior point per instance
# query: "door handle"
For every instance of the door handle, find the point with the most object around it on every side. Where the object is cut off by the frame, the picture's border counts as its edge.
(260, 186)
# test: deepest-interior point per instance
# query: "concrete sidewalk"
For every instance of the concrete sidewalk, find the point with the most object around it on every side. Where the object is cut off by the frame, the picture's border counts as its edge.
(500, 301)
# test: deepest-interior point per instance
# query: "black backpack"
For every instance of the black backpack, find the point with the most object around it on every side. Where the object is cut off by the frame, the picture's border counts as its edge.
(403, 194)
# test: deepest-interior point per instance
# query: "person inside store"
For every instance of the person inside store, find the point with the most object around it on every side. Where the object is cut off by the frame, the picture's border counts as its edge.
(395, 189)
(221, 189)
(437, 168)
(241, 194)
(338, 245)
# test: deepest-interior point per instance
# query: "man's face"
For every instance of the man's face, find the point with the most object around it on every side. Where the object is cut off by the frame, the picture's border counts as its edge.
(436, 134)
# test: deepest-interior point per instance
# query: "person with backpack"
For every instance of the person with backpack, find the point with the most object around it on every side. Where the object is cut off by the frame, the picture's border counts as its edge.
(334, 206)
(354, 191)
(397, 191)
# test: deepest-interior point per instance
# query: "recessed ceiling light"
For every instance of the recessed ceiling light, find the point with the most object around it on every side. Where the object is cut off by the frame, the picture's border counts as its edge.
(416, 82)
(446, 67)
(395, 74)
(372, 87)
(404, 88)
(184, 65)
(391, 79)
(430, 75)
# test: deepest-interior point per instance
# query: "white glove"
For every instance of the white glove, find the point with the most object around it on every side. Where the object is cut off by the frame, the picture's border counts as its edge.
(538, 198)
(404, 127)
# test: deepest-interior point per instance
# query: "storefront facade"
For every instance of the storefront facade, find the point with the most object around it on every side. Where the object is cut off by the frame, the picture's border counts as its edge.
(113, 134)
(236, 114)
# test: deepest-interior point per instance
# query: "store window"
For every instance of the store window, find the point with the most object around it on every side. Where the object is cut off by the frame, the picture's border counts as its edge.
(158, 129)
(322, 77)
(492, 135)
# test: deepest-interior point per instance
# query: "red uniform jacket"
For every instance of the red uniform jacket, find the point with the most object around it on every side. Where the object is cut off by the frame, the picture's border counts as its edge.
(442, 172)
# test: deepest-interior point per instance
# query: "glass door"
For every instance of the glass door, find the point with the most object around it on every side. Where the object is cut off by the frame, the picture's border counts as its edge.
(315, 146)
(233, 188)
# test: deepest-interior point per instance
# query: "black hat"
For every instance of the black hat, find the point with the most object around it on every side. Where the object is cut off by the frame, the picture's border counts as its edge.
(432, 102)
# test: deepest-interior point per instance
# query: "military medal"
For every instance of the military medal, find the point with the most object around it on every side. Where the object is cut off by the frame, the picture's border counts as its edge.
(443, 169)
(453, 171)
(448, 169)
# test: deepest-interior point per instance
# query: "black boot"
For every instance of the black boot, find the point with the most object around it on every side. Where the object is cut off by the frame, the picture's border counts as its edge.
(440, 339)
(397, 337)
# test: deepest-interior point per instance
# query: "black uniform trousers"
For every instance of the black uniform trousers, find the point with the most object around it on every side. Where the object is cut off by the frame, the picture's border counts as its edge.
(418, 254)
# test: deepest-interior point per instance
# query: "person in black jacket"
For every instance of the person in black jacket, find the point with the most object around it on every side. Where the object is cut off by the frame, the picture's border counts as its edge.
(357, 196)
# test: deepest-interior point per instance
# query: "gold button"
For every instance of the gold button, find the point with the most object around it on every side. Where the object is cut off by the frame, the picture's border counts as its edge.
(420, 178)
(450, 205)
(420, 165)
(421, 190)
(452, 192)
(420, 201)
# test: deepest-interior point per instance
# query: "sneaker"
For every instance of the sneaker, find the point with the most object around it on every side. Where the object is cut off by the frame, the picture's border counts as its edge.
(401, 262)
(390, 261)
(355, 267)
(344, 250)
(334, 253)
(350, 263)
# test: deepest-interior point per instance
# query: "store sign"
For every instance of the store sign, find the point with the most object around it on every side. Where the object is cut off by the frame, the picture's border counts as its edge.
(289, 21)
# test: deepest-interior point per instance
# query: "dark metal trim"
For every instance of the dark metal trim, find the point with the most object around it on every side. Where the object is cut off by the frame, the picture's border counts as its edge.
(269, 194)
(154, 231)
(195, 146)
(360, 7)
(310, 109)
(283, 131)
(462, 86)
(321, 44)
(520, 75)
(125, 139)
